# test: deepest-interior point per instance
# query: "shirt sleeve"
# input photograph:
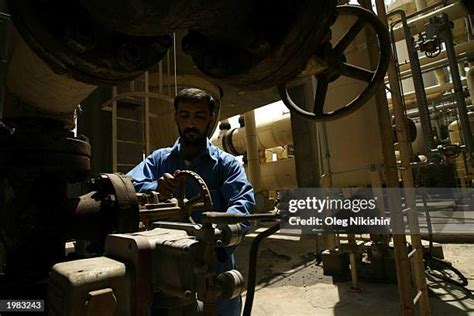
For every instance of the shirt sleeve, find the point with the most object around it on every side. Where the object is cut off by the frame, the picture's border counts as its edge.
(145, 174)
(237, 190)
(239, 195)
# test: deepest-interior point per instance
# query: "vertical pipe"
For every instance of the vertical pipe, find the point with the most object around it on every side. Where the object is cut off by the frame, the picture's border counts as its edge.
(420, 4)
(439, 73)
(304, 133)
(160, 77)
(146, 119)
(168, 71)
(419, 85)
(252, 150)
(114, 131)
(353, 265)
(4, 40)
(447, 36)
(470, 83)
(325, 152)
(175, 66)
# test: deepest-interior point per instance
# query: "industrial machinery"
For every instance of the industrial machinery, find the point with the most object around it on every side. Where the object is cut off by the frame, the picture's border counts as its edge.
(168, 269)
(56, 57)
(175, 259)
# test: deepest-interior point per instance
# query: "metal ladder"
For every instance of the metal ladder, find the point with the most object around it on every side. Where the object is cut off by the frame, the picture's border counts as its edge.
(130, 124)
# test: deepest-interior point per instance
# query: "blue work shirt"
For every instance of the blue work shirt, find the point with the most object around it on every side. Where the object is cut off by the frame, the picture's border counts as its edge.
(225, 177)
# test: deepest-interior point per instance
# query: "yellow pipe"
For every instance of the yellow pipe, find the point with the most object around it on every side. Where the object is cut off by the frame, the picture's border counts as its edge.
(253, 159)
(432, 92)
(462, 48)
(417, 24)
(420, 4)
(277, 174)
(270, 134)
(470, 83)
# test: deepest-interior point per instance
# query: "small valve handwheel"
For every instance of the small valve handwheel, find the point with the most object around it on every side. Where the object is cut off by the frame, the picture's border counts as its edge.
(336, 65)
(201, 202)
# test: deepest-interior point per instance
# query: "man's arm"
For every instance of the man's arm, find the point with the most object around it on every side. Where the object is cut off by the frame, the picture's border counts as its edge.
(145, 174)
(237, 190)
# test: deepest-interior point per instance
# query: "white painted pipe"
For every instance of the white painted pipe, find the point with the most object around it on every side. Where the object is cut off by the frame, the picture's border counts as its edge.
(270, 134)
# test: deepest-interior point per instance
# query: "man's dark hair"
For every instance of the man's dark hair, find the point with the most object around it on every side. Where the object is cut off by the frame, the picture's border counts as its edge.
(194, 95)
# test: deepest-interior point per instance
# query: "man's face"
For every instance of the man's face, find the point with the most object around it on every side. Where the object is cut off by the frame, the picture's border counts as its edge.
(194, 120)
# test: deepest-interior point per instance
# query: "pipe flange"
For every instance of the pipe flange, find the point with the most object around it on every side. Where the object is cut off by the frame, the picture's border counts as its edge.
(126, 201)
(32, 154)
(227, 144)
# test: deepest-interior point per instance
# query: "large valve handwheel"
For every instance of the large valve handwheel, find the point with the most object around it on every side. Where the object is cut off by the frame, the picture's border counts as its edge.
(201, 202)
(335, 65)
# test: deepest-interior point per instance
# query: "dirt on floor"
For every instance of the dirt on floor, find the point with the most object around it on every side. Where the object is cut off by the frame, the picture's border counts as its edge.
(290, 281)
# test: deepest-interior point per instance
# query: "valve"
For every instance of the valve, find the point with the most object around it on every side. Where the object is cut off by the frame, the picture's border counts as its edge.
(201, 202)
(332, 65)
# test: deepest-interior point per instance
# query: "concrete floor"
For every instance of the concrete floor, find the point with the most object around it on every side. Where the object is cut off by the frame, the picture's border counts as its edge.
(291, 283)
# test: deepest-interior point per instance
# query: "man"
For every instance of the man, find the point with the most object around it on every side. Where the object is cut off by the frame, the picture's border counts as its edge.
(224, 175)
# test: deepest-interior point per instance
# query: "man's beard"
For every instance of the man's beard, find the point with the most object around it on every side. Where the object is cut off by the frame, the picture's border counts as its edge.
(191, 136)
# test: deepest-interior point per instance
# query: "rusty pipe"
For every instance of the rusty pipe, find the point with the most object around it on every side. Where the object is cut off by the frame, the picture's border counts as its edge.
(33, 89)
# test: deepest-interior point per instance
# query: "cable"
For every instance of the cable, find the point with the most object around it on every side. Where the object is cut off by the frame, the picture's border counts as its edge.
(252, 278)
(439, 268)
(443, 270)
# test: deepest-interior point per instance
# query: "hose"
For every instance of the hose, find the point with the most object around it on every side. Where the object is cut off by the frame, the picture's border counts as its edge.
(439, 268)
(443, 270)
(252, 278)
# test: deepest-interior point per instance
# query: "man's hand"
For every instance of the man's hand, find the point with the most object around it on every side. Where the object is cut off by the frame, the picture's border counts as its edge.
(166, 185)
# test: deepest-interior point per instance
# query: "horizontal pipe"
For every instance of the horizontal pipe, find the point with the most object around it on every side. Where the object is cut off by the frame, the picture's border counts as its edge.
(433, 91)
(452, 105)
(34, 89)
(270, 134)
(454, 11)
(466, 47)
(435, 66)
